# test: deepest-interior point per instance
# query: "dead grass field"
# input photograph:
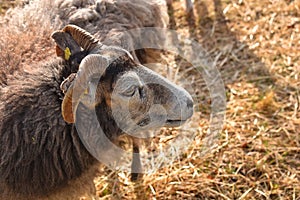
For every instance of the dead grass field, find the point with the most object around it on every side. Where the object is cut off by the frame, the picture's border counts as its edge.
(256, 46)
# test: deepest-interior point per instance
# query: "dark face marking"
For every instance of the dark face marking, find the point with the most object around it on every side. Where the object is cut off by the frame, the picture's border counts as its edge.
(105, 87)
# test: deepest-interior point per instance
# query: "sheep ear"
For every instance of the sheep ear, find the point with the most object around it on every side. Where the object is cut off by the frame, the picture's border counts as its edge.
(65, 44)
(66, 107)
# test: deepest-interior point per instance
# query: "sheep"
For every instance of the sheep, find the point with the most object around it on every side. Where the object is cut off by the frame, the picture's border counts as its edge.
(41, 152)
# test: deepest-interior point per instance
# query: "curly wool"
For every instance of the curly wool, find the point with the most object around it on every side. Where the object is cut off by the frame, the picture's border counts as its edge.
(39, 151)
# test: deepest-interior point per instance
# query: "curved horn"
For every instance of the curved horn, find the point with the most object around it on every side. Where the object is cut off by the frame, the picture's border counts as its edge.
(90, 66)
(82, 37)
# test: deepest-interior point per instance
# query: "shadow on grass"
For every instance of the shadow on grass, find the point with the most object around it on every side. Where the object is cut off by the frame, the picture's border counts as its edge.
(235, 60)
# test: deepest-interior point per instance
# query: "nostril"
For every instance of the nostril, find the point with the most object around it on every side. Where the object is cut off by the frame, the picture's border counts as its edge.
(189, 103)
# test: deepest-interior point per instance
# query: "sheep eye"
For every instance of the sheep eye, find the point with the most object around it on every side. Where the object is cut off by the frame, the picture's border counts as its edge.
(130, 91)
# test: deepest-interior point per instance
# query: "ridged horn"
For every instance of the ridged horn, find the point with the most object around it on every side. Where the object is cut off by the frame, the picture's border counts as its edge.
(82, 37)
(91, 66)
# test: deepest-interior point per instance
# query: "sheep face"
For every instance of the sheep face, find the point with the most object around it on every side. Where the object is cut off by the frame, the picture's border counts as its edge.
(136, 97)
(142, 100)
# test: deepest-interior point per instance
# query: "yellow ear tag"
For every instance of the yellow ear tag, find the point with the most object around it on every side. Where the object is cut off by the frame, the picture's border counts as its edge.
(67, 53)
(86, 91)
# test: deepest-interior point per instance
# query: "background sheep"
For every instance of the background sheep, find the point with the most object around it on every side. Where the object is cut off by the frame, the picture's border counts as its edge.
(33, 164)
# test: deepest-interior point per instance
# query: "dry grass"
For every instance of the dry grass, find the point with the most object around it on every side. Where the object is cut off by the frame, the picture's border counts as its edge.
(256, 47)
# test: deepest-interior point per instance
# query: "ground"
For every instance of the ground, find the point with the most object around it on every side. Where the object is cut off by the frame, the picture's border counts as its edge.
(256, 47)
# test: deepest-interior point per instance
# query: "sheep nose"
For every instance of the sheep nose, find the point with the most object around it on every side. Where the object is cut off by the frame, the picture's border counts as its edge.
(189, 108)
(190, 103)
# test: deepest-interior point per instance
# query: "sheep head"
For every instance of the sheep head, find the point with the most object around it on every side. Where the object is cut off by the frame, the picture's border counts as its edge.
(137, 98)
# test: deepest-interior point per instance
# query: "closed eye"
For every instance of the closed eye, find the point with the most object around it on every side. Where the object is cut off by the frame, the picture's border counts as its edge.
(130, 91)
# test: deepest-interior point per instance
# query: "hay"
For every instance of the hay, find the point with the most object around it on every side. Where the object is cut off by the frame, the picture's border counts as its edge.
(256, 48)
(255, 45)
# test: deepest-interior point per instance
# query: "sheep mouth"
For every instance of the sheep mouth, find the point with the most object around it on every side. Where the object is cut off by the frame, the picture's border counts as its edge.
(168, 123)
(174, 123)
